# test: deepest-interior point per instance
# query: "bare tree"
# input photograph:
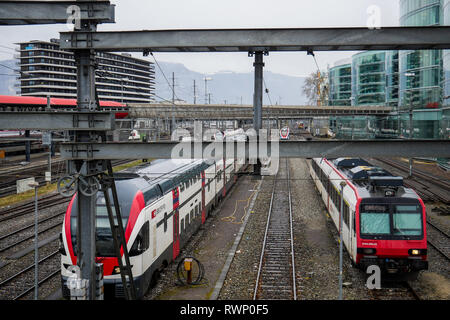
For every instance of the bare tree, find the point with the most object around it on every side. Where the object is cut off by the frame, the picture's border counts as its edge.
(316, 88)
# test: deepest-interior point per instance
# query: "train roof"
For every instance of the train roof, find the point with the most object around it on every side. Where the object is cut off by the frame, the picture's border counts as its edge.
(29, 100)
(372, 181)
(158, 177)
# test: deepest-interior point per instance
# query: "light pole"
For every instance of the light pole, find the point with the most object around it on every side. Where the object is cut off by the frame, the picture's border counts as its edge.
(410, 74)
(35, 185)
(206, 88)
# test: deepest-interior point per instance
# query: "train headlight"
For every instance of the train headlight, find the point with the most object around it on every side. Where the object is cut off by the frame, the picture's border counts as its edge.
(116, 270)
(417, 252)
(369, 250)
(366, 251)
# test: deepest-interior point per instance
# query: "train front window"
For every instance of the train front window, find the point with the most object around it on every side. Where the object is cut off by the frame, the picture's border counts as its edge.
(375, 219)
(407, 220)
(103, 234)
(391, 221)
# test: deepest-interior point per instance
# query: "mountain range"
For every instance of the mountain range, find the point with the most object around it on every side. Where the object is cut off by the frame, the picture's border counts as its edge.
(7, 77)
(225, 86)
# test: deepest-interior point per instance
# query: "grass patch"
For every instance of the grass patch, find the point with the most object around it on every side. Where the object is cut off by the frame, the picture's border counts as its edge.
(49, 188)
(16, 198)
(129, 165)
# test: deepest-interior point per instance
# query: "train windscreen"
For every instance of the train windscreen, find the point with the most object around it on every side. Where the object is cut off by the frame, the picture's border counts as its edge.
(103, 234)
(407, 220)
(391, 221)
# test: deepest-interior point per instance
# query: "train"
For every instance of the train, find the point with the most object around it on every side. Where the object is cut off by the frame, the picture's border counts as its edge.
(383, 222)
(284, 133)
(162, 205)
(10, 103)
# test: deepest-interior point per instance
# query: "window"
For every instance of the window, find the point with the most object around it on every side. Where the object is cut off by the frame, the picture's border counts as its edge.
(346, 214)
(407, 220)
(375, 219)
(142, 241)
(191, 215)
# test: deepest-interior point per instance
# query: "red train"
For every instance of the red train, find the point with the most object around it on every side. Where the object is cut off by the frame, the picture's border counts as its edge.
(384, 223)
(37, 103)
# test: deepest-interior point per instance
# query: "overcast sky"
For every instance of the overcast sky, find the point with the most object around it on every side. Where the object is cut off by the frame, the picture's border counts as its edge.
(199, 14)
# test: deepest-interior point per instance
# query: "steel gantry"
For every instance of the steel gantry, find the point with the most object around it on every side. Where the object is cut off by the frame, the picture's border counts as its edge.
(89, 153)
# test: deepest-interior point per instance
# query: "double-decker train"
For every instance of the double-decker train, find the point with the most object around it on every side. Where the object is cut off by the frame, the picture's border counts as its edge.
(383, 222)
(162, 205)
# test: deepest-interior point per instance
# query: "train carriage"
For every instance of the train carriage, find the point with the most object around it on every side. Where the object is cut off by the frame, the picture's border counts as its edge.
(384, 223)
(12, 103)
(162, 206)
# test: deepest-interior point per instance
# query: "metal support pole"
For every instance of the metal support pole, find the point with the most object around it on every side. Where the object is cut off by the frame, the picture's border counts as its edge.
(27, 146)
(36, 245)
(173, 102)
(206, 90)
(86, 101)
(121, 230)
(258, 101)
(50, 161)
(195, 94)
(410, 135)
(343, 184)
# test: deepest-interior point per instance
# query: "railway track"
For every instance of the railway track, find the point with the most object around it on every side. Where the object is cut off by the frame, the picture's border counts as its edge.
(438, 239)
(26, 233)
(276, 272)
(44, 202)
(16, 247)
(11, 174)
(401, 290)
(21, 283)
(429, 187)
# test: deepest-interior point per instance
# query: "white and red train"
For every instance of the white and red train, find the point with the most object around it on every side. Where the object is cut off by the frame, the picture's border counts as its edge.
(162, 205)
(384, 223)
(284, 133)
(38, 103)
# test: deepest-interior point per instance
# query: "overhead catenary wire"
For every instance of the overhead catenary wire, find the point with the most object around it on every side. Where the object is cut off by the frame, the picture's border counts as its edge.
(164, 75)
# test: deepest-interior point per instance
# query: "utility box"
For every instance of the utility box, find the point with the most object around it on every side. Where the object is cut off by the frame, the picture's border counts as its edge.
(23, 185)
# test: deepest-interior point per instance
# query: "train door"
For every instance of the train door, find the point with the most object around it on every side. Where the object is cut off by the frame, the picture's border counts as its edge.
(176, 234)
(203, 197)
(176, 223)
(353, 235)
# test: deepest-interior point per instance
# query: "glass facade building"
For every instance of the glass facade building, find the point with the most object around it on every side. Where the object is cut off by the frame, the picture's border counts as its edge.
(421, 71)
(415, 82)
(368, 78)
(340, 84)
(446, 53)
(392, 83)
